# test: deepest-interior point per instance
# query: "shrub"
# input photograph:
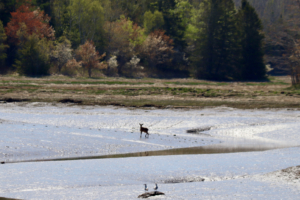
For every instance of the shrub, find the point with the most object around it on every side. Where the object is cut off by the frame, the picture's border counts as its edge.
(61, 53)
(123, 39)
(157, 50)
(33, 57)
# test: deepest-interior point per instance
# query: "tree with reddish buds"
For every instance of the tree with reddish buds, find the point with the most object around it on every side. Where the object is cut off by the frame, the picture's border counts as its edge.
(36, 22)
(89, 57)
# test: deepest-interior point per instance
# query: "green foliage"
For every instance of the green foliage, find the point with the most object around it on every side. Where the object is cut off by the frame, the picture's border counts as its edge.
(194, 26)
(219, 40)
(153, 21)
(173, 26)
(183, 10)
(33, 57)
(216, 52)
(60, 17)
(124, 39)
(87, 20)
(253, 67)
(135, 32)
(3, 47)
(133, 10)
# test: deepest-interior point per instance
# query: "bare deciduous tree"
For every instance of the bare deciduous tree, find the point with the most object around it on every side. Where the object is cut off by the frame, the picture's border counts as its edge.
(89, 57)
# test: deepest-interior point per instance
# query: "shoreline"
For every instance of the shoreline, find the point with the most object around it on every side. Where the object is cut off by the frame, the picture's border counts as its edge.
(160, 104)
(151, 93)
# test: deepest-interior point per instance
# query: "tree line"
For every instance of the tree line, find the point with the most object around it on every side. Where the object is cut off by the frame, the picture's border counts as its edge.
(209, 39)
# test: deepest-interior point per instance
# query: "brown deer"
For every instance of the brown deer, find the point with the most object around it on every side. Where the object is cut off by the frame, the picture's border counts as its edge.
(145, 130)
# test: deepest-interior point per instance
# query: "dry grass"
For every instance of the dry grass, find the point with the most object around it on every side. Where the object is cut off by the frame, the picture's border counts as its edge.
(186, 93)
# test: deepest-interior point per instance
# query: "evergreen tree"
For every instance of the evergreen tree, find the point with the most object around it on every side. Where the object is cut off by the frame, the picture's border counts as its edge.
(2, 46)
(31, 61)
(33, 54)
(6, 7)
(253, 67)
(173, 25)
(45, 5)
(134, 10)
(216, 53)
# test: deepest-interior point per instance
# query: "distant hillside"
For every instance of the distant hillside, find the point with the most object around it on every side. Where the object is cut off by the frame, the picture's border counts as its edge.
(279, 17)
(269, 10)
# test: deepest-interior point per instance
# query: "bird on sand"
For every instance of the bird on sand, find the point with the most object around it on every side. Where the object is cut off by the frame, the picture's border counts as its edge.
(156, 187)
(146, 189)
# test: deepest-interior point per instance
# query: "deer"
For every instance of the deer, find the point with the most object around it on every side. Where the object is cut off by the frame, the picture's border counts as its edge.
(145, 130)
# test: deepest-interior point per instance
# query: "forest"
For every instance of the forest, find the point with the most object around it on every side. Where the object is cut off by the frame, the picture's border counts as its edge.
(223, 40)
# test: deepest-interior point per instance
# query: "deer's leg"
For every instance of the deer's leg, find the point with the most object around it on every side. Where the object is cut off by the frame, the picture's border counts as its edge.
(141, 134)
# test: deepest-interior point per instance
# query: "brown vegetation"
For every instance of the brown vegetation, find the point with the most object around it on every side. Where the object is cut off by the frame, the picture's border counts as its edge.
(163, 93)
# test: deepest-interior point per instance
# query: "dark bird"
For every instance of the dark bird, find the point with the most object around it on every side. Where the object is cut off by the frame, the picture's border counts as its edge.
(146, 189)
(156, 187)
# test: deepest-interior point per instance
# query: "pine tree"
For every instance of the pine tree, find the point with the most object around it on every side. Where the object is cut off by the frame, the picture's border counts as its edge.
(3, 47)
(32, 61)
(252, 63)
(173, 24)
(217, 46)
(33, 53)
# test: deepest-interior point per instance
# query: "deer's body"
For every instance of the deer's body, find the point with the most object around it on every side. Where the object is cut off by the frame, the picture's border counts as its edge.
(145, 130)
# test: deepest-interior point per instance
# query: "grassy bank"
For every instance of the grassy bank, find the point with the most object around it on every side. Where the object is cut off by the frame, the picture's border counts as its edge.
(162, 93)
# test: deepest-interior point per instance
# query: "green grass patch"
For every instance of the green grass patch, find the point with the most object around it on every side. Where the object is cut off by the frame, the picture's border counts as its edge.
(90, 82)
(97, 92)
(196, 83)
(166, 91)
(192, 104)
(9, 90)
(267, 83)
(99, 82)
(294, 87)
(26, 85)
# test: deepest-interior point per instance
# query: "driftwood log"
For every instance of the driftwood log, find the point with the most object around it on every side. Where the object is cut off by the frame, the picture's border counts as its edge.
(150, 194)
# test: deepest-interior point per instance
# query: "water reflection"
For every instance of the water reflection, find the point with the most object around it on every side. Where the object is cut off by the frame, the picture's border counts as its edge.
(212, 149)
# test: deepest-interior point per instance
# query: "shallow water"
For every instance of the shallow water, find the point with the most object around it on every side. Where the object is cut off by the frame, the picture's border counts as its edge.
(45, 132)
(88, 135)
(212, 149)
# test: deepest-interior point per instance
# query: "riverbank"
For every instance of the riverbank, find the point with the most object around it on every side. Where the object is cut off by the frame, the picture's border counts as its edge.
(159, 93)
